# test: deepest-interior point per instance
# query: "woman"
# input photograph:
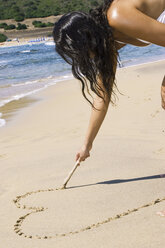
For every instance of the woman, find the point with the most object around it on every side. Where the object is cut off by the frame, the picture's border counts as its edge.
(89, 42)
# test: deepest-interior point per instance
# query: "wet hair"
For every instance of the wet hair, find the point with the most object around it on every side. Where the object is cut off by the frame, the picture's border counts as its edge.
(86, 42)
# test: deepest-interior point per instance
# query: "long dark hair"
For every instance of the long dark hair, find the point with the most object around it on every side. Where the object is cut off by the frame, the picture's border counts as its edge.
(86, 42)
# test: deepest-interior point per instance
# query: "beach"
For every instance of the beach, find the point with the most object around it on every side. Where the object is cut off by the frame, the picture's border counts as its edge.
(113, 198)
(26, 41)
(29, 35)
(31, 32)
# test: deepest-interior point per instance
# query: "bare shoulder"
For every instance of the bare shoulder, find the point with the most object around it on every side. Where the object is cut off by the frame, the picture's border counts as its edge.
(128, 19)
(119, 11)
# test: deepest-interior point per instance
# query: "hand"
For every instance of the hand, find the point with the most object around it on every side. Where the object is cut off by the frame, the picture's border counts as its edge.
(83, 153)
(163, 96)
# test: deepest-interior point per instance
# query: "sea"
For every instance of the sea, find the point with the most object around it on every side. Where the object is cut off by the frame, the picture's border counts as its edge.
(29, 68)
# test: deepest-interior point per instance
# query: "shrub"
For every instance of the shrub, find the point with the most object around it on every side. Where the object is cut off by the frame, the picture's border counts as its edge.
(21, 26)
(3, 38)
(19, 17)
(49, 24)
(10, 9)
(35, 22)
(39, 24)
(9, 27)
(57, 10)
(42, 25)
(3, 25)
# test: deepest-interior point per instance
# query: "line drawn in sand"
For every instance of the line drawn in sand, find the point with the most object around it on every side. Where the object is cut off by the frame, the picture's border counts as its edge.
(34, 210)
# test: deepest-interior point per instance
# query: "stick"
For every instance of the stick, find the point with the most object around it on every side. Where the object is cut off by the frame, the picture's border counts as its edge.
(70, 174)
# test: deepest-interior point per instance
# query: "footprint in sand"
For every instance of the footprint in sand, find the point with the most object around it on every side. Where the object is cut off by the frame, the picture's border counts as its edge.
(155, 113)
(147, 99)
(160, 151)
(2, 156)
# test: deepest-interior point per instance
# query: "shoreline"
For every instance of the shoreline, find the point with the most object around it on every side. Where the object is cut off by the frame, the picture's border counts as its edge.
(32, 95)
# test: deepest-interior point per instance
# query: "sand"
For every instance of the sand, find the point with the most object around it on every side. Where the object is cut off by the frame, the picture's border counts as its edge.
(26, 41)
(113, 197)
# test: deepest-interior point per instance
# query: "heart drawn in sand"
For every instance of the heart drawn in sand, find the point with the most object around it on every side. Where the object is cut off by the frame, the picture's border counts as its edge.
(77, 207)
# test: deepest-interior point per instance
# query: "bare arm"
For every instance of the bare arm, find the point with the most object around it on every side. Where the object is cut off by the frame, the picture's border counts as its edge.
(96, 119)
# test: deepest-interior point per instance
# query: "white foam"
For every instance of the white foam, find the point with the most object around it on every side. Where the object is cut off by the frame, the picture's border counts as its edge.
(2, 103)
(26, 83)
(46, 80)
(26, 51)
(2, 121)
(49, 43)
(3, 61)
(19, 96)
(49, 81)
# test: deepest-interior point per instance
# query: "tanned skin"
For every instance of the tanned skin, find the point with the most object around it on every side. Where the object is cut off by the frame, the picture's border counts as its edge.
(131, 20)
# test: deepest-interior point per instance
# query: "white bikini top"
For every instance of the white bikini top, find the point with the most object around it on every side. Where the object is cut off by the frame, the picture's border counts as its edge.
(161, 19)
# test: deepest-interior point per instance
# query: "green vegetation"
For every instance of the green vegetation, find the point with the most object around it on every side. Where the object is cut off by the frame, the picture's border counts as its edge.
(3, 25)
(38, 24)
(3, 37)
(19, 18)
(21, 26)
(7, 27)
(12, 26)
(21, 9)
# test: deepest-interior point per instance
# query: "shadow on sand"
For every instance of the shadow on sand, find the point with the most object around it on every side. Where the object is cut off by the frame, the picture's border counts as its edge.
(116, 181)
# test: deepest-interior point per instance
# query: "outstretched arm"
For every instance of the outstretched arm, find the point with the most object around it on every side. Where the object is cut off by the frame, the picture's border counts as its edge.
(96, 119)
(98, 114)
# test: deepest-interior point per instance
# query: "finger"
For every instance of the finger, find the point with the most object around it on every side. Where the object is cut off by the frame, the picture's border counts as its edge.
(78, 162)
(77, 156)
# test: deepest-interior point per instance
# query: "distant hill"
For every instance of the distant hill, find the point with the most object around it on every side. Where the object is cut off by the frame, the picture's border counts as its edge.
(22, 9)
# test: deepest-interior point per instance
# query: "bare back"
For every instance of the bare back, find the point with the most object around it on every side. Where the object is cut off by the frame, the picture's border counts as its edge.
(136, 20)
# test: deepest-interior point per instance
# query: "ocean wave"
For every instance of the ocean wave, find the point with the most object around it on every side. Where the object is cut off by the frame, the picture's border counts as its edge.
(124, 63)
(26, 51)
(4, 53)
(46, 80)
(3, 62)
(41, 84)
(3, 66)
(29, 51)
(21, 95)
(49, 43)
(25, 83)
